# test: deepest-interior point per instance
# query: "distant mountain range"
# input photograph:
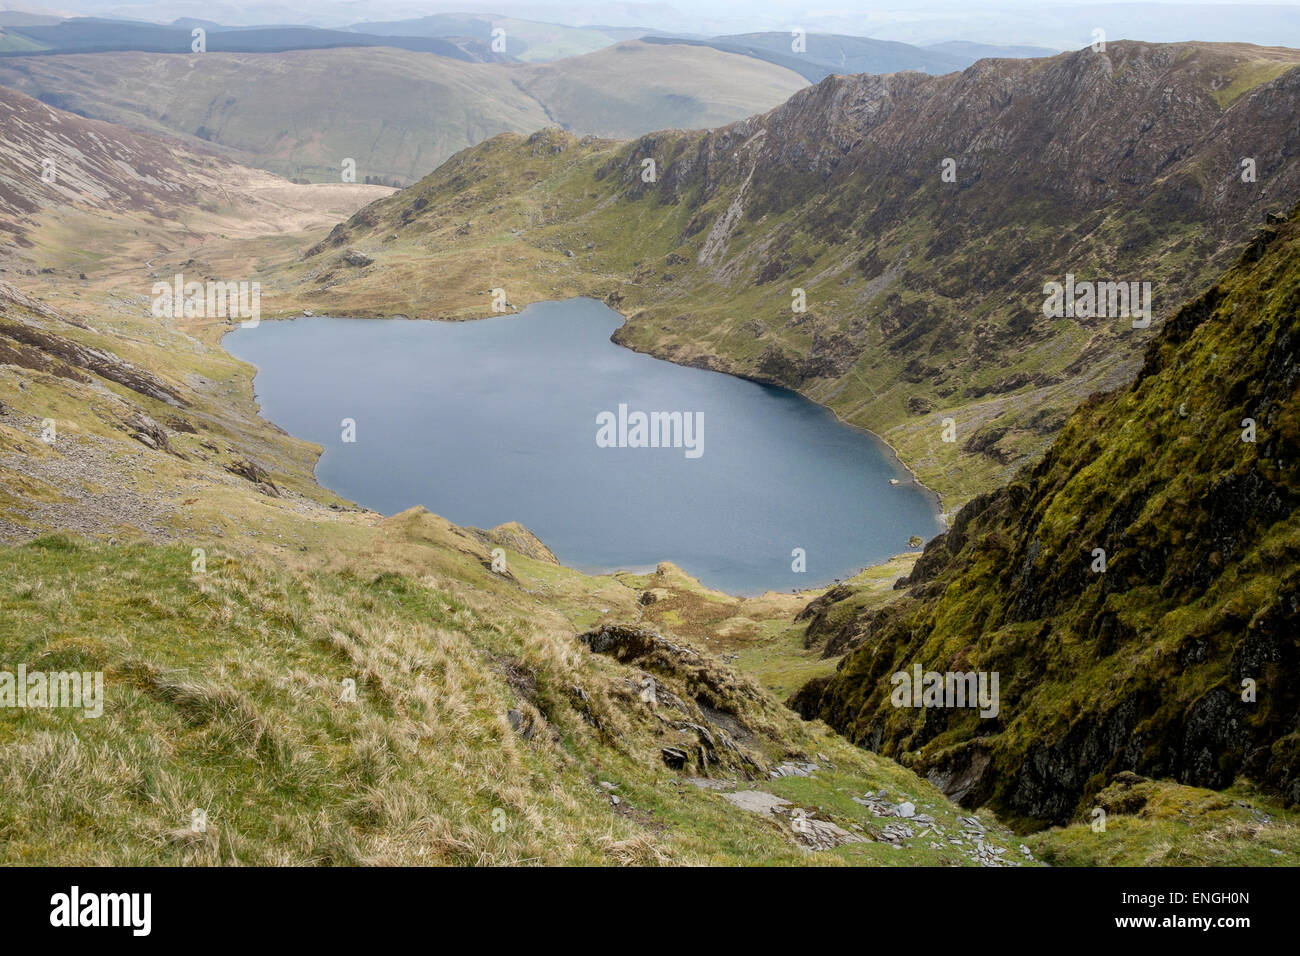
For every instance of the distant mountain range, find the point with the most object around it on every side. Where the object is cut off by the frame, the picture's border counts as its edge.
(1059, 25)
(527, 40)
(397, 113)
(826, 54)
(89, 35)
(374, 94)
(481, 39)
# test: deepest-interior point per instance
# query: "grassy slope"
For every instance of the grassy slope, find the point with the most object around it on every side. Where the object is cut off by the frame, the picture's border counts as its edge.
(223, 688)
(1159, 823)
(553, 41)
(625, 90)
(398, 114)
(10, 42)
(224, 693)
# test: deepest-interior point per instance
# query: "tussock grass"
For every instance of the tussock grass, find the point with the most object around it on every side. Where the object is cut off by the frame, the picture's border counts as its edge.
(479, 735)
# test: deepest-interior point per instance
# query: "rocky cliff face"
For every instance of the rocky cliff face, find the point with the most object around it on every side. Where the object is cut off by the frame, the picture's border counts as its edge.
(1109, 165)
(924, 291)
(1137, 591)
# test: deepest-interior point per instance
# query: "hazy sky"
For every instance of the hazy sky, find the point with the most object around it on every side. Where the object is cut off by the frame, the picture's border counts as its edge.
(1055, 23)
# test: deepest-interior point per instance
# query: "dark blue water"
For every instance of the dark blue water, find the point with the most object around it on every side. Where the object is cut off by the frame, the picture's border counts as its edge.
(496, 420)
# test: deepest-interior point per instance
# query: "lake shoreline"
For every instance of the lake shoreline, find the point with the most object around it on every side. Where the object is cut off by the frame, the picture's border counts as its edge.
(885, 450)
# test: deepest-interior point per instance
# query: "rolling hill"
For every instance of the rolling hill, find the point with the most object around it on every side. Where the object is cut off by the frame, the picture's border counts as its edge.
(282, 112)
(95, 35)
(528, 40)
(398, 114)
(826, 54)
(633, 87)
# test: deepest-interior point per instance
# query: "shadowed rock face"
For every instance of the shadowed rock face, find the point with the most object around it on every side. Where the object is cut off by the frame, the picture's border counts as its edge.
(1173, 661)
(1086, 161)
(1080, 130)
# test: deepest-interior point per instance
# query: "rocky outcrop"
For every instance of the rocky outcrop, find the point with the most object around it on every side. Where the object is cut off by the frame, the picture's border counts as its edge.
(517, 538)
(251, 471)
(148, 432)
(705, 707)
(29, 338)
